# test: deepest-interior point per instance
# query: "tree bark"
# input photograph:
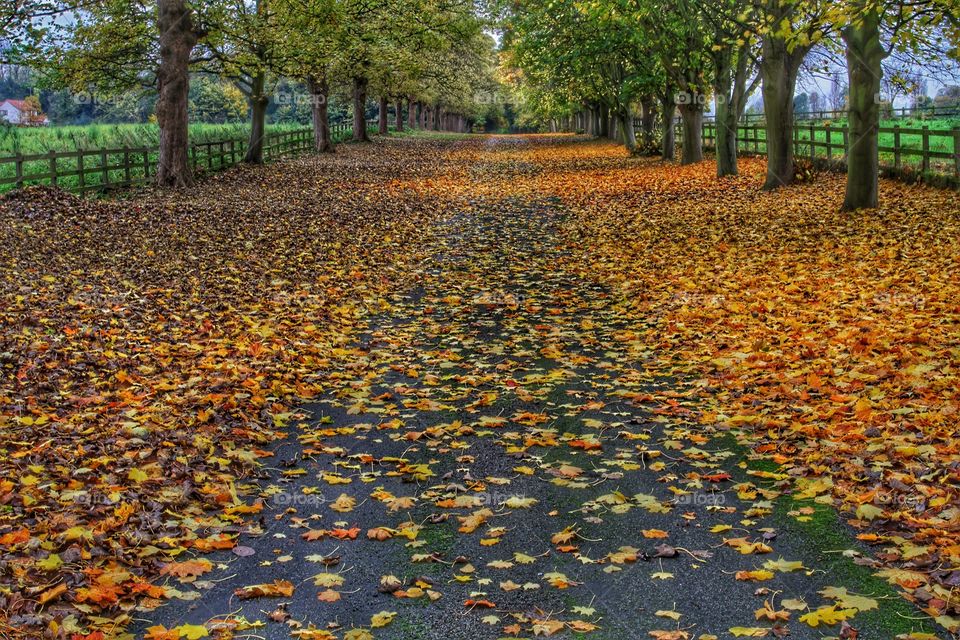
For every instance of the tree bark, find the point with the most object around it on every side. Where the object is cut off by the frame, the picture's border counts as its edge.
(778, 70)
(626, 128)
(177, 40)
(258, 119)
(778, 90)
(668, 143)
(411, 113)
(726, 139)
(604, 114)
(398, 112)
(359, 109)
(319, 89)
(436, 117)
(732, 72)
(648, 115)
(383, 116)
(865, 54)
(691, 114)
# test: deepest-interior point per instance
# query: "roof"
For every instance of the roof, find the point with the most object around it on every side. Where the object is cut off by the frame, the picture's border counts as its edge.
(20, 105)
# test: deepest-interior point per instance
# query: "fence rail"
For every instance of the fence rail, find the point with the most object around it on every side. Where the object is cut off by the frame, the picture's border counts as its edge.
(886, 113)
(101, 170)
(904, 151)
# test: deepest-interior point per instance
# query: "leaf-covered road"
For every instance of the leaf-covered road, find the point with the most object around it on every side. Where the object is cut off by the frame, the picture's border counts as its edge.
(534, 415)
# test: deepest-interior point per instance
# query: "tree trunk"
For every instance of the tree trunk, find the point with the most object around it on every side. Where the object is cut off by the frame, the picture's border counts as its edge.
(258, 120)
(668, 144)
(604, 114)
(359, 110)
(383, 124)
(648, 115)
(177, 40)
(436, 117)
(778, 70)
(411, 113)
(398, 112)
(726, 120)
(319, 89)
(626, 127)
(865, 55)
(732, 73)
(691, 114)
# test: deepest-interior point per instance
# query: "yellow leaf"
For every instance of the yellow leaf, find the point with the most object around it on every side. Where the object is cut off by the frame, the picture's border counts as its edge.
(382, 619)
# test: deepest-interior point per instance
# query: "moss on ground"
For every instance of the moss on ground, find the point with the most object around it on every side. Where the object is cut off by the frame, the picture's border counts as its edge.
(825, 530)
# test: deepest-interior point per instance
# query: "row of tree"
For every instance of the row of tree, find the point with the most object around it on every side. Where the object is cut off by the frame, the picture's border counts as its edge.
(431, 55)
(600, 59)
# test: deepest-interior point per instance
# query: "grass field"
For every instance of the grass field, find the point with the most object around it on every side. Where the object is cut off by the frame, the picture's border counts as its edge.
(107, 171)
(941, 140)
(23, 140)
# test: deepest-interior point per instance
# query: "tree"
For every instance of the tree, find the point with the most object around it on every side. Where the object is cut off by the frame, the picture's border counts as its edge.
(865, 54)
(111, 46)
(865, 25)
(734, 54)
(789, 29)
(947, 97)
(213, 100)
(178, 36)
(246, 48)
(309, 29)
(680, 35)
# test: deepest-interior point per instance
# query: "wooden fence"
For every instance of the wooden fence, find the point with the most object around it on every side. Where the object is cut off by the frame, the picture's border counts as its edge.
(101, 170)
(903, 150)
(931, 112)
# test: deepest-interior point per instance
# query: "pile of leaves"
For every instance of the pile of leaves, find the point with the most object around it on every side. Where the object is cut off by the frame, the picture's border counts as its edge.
(831, 340)
(527, 359)
(151, 351)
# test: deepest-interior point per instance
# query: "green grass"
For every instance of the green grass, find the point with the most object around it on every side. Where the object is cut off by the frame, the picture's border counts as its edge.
(420, 133)
(825, 530)
(108, 169)
(34, 140)
(941, 141)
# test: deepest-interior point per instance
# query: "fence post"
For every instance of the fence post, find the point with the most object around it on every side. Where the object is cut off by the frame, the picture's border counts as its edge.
(126, 165)
(81, 177)
(53, 167)
(826, 128)
(926, 148)
(846, 142)
(956, 151)
(896, 147)
(146, 165)
(813, 148)
(19, 168)
(104, 163)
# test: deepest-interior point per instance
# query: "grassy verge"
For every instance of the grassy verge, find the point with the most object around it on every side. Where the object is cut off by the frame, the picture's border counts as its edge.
(825, 530)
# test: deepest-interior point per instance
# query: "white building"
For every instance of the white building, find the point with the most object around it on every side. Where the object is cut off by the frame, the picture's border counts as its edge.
(20, 112)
